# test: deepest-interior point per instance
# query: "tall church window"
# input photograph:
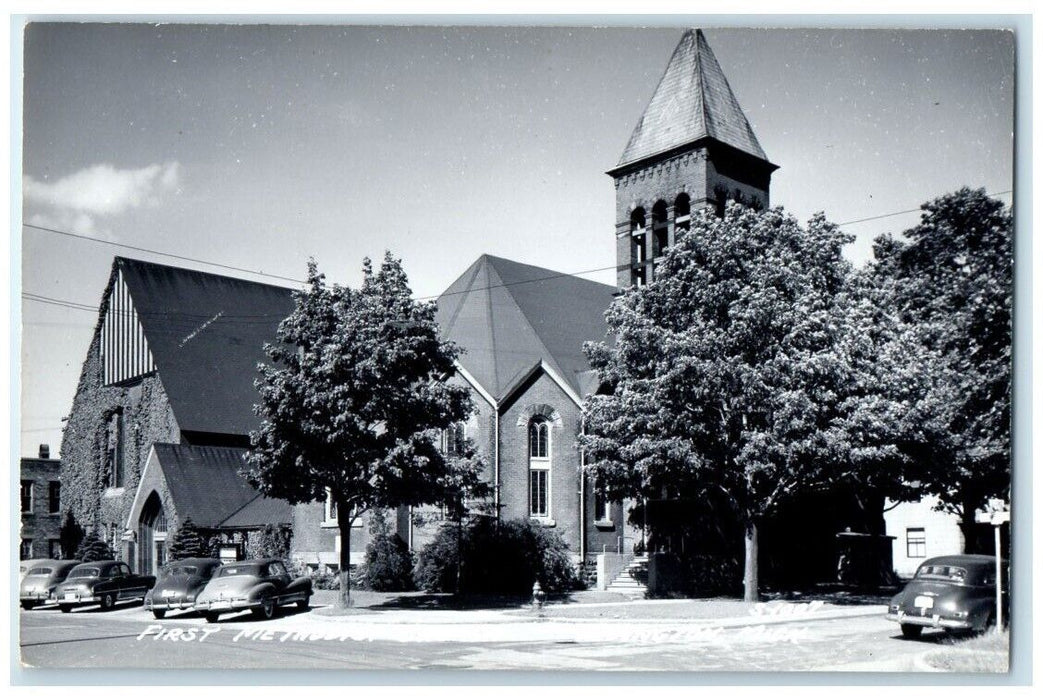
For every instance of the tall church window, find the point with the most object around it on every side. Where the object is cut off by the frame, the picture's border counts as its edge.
(454, 439)
(539, 468)
(638, 236)
(114, 449)
(660, 229)
(682, 213)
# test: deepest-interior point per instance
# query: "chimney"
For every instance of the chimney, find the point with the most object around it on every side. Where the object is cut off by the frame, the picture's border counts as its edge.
(45, 451)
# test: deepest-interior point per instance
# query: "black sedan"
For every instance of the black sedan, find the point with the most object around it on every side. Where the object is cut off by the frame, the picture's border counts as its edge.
(39, 582)
(103, 583)
(178, 584)
(956, 592)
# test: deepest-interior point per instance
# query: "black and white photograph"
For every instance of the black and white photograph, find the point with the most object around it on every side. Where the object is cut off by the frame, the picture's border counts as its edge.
(581, 346)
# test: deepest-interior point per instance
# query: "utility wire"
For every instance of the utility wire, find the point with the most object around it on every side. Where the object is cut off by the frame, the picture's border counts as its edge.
(86, 307)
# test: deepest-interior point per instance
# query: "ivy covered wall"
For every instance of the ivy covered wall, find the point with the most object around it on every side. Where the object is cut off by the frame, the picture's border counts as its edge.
(147, 418)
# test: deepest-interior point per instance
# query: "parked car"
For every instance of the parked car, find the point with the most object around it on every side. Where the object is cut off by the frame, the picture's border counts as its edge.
(101, 582)
(259, 585)
(178, 584)
(956, 592)
(39, 582)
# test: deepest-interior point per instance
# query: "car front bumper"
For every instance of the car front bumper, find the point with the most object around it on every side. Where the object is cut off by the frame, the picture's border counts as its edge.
(936, 621)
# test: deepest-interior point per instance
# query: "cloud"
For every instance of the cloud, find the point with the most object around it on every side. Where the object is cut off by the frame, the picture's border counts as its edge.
(100, 190)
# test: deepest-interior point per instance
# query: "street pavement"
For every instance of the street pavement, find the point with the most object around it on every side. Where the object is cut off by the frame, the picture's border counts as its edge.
(784, 637)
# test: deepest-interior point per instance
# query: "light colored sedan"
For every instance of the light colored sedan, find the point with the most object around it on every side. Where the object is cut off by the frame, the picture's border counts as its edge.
(39, 582)
(260, 585)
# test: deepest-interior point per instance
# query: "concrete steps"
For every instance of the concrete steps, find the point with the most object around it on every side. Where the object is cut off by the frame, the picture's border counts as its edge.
(632, 580)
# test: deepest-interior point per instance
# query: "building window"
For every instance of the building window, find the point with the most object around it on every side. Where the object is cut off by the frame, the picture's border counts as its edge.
(329, 509)
(601, 513)
(54, 549)
(54, 496)
(682, 213)
(915, 543)
(25, 551)
(539, 468)
(27, 496)
(114, 449)
(454, 439)
(660, 232)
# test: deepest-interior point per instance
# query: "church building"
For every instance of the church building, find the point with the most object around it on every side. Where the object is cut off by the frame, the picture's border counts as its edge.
(160, 421)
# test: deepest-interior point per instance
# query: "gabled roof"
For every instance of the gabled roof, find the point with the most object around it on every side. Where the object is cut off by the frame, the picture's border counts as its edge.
(207, 334)
(511, 317)
(692, 102)
(206, 484)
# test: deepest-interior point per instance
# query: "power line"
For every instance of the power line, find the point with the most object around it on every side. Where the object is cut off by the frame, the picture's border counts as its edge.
(159, 252)
(86, 307)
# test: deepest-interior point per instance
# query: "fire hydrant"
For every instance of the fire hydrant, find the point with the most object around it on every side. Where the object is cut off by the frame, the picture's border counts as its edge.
(538, 596)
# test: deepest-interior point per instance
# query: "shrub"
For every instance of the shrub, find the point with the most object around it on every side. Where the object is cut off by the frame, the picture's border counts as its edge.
(93, 549)
(71, 535)
(273, 541)
(188, 542)
(389, 565)
(505, 557)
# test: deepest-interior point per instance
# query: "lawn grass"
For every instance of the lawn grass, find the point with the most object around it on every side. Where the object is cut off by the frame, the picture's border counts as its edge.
(986, 653)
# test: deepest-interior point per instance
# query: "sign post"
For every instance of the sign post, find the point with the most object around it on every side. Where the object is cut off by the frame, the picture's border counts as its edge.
(996, 519)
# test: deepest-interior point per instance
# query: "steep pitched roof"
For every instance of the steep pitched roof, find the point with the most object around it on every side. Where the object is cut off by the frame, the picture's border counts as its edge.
(207, 334)
(510, 317)
(693, 101)
(206, 484)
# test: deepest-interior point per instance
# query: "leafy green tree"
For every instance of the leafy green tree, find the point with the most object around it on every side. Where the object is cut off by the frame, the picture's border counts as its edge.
(731, 372)
(354, 400)
(947, 286)
(93, 549)
(188, 542)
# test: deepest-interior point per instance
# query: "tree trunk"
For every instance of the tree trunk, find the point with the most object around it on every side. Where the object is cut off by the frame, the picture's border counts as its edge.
(344, 521)
(750, 578)
(969, 528)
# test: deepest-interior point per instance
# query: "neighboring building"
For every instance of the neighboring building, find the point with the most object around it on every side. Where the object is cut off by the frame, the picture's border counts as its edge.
(41, 506)
(921, 531)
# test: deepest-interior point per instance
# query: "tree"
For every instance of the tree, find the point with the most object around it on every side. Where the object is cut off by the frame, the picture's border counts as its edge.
(93, 549)
(70, 535)
(354, 400)
(948, 286)
(188, 542)
(730, 372)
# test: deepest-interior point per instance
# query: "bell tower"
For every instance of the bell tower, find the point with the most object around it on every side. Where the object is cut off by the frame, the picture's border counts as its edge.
(693, 147)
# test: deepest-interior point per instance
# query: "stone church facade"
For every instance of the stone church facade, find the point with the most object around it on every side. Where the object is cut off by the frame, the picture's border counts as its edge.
(159, 425)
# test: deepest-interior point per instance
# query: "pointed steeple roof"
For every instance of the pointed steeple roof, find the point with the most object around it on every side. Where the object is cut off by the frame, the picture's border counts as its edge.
(511, 318)
(693, 101)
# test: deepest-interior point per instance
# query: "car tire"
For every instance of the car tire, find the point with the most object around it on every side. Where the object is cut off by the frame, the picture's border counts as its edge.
(211, 617)
(266, 611)
(108, 601)
(305, 603)
(159, 614)
(28, 605)
(912, 631)
(65, 608)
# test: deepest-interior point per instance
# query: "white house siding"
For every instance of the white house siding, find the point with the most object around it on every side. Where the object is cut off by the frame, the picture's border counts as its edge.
(940, 533)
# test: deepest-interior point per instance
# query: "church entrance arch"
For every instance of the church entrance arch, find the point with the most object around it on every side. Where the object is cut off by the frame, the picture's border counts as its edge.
(152, 536)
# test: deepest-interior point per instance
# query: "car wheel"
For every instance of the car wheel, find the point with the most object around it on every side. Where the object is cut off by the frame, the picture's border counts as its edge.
(65, 608)
(159, 614)
(267, 609)
(108, 601)
(912, 631)
(28, 605)
(990, 623)
(211, 617)
(304, 604)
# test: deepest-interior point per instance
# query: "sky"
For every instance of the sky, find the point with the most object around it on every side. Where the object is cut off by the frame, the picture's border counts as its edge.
(258, 147)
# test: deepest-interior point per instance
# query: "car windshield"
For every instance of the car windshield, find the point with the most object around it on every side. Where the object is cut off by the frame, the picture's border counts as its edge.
(180, 570)
(41, 571)
(85, 572)
(240, 570)
(942, 572)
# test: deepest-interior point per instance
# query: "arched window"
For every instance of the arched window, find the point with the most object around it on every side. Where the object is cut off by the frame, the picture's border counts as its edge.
(638, 246)
(660, 229)
(114, 449)
(539, 468)
(682, 213)
(454, 439)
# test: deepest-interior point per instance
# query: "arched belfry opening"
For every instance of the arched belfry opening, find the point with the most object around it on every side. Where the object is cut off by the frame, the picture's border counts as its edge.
(152, 536)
